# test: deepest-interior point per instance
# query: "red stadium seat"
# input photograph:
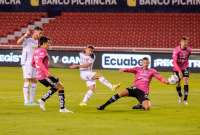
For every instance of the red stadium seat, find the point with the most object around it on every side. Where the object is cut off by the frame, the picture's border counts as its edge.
(151, 30)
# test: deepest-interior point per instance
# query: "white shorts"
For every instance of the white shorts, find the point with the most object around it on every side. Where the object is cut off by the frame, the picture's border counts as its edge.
(87, 76)
(28, 71)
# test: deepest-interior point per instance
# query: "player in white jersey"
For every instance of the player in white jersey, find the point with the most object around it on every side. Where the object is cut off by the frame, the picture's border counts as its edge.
(87, 59)
(29, 42)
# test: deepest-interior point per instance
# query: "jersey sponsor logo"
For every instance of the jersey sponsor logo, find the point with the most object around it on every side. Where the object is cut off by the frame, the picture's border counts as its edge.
(115, 61)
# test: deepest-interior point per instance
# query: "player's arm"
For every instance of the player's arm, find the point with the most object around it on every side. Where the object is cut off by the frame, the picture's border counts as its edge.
(21, 39)
(160, 78)
(176, 66)
(129, 70)
(80, 66)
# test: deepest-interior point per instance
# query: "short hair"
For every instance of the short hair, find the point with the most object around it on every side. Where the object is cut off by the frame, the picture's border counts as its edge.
(38, 28)
(91, 47)
(43, 40)
(184, 38)
(145, 58)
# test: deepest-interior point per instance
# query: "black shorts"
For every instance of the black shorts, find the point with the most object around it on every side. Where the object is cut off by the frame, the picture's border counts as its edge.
(50, 81)
(185, 73)
(137, 93)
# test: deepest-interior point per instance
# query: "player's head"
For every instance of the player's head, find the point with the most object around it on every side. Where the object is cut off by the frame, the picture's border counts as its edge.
(37, 32)
(145, 62)
(184, 42)
(89, 50)
(44, 42)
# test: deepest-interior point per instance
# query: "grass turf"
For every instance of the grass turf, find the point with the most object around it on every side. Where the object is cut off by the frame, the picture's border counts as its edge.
(166, 116)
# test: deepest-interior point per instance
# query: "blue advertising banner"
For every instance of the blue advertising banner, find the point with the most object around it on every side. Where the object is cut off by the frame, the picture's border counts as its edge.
(101, 5)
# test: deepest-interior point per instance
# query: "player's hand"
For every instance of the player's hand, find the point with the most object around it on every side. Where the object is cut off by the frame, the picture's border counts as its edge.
(73, 66)
(121, 70)
(180, 75)
(28, 33)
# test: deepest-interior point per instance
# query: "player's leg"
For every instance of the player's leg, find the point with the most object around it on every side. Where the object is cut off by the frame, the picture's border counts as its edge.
(105, 82)
(91, 85)
(186, 85)
(146, 104)
(33, 87)
(61, 95)
(26, 91)
(32, 91)
(26, 77)
(47, 82)
(114, 98)
(178, 89)
(186, 90)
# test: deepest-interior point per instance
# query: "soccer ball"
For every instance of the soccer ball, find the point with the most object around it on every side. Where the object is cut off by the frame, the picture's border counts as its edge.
(173, 79)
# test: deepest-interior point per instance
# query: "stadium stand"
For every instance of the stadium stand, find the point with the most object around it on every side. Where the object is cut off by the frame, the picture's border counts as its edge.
(10, 22)
(111, 30)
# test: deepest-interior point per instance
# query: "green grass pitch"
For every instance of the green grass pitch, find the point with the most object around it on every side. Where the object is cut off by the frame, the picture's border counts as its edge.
(165, 118)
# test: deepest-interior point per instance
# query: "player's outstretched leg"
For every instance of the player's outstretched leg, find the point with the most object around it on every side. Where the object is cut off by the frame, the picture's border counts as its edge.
(49, 93)
(113, 99)
(108, 84)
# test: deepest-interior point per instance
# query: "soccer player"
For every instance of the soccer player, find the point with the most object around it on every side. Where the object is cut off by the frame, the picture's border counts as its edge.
(29, 43)
(180, 57)
(140, 87)
(87, 59)
(40, 62)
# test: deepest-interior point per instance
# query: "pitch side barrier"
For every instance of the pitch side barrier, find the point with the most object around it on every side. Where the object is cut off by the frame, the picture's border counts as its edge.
(100, 5)
(104, 59)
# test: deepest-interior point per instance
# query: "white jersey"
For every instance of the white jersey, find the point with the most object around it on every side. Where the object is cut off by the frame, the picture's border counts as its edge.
(84, 59)
(29, 46)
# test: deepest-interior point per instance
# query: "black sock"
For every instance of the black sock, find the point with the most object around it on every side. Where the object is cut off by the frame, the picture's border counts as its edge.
(61, 95)
(186, 90)
(178, 88)
(111, 100)
(50, 92)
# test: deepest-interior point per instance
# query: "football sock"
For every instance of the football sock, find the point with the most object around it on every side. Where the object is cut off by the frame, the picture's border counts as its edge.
(186, 90)
(32, 92)
(105, 82)
(61, 95)
(26, 91)
(178, 88)
(87, 96)
(50, 92)
(111, 100)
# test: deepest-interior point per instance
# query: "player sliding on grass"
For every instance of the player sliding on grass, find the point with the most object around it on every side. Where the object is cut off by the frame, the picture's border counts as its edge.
(40, 62)
(180, 57)
(140, 87)
(87, 59)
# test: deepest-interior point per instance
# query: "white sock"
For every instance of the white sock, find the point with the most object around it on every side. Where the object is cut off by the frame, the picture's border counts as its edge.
(25, 91)
(32, 92)
(105, 82)
(87, 96)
